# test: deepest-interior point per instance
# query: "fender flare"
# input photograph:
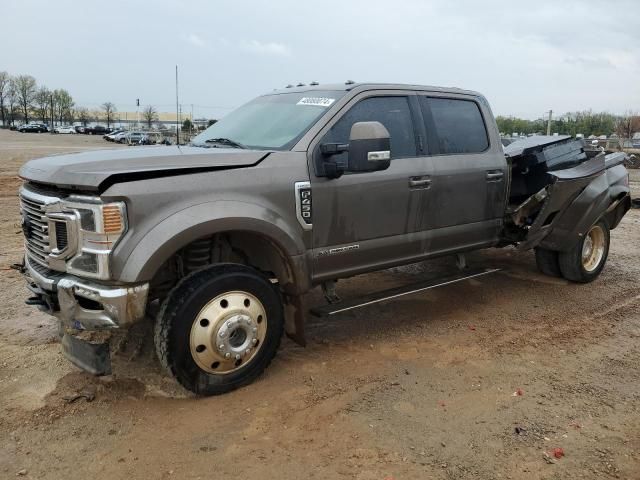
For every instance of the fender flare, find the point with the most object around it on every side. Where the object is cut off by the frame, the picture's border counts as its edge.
(583, 212)
(192, 223)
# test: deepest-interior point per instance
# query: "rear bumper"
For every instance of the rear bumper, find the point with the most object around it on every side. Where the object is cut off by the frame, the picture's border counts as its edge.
(85, 305)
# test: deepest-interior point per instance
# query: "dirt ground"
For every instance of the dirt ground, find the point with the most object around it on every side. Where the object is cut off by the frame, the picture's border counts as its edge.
(482, 380)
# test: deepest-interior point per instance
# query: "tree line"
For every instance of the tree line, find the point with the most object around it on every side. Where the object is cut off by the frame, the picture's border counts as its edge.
(22, 99)
(587, 123)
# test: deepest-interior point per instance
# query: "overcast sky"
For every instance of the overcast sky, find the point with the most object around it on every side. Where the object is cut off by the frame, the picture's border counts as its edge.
(526, 57)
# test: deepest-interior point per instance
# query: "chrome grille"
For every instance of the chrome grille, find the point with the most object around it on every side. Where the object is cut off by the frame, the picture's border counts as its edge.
(35, 227)
(62, 239)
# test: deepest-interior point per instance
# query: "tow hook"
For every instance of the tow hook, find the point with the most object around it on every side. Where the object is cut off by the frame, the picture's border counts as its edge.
(18, 266)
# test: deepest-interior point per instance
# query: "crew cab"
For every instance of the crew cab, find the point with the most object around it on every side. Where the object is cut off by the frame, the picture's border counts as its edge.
(218, 242)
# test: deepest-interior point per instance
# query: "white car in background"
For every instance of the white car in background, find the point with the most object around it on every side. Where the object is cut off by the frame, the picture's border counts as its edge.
(119, 136)
(65, 129)
(110, 136)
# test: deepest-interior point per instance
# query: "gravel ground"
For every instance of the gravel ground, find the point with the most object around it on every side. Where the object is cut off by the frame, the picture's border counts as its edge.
(482, 380)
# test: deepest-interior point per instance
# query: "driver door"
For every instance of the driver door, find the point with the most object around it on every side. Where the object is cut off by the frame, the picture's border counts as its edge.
(364, 221)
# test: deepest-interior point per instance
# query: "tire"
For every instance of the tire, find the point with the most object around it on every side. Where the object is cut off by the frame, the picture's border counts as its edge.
(583, 264)
(547, 262)
(193, 325)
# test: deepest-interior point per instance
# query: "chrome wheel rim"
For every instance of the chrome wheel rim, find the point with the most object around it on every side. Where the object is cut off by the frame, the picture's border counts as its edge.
(228, 332)
(593, 249)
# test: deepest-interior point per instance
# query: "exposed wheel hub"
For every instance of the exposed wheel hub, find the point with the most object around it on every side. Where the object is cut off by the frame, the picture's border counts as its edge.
(593, 248)
(228, 332)
(236, 336)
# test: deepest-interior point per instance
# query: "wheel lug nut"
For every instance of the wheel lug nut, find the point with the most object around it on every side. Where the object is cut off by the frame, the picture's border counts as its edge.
(227, 355)
(247, 351)
(221, 347)
(254, 341)
(237, 356)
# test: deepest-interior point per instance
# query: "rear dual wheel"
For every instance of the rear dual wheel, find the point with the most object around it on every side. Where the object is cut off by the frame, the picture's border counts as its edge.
(219, 328)
(584, 262)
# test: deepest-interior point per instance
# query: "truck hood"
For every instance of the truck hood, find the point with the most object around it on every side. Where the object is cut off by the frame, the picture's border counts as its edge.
(96, 170)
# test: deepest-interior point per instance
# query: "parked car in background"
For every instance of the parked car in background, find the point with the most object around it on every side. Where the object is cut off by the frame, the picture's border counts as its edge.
(119, 136)
(33, 128)
(96, 130)
(65, 129)
(79, 128)
(110, 136)
(152, 138)
(133, 138)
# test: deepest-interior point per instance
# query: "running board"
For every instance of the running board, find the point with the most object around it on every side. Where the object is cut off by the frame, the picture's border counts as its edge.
(397, 292)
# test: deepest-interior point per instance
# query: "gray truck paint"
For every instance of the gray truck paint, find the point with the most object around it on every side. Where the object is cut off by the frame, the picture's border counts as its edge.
(420, 207)
(90, 170)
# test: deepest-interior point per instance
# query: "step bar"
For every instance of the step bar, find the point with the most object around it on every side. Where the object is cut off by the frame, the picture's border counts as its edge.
(393, 293)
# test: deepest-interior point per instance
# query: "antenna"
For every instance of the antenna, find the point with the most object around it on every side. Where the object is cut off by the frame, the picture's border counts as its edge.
(177, 111)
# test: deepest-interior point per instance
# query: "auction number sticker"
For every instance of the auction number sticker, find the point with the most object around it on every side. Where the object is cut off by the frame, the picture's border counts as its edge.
(316, 101)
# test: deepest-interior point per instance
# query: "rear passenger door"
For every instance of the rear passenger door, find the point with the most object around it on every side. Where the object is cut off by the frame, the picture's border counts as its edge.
(468, 174)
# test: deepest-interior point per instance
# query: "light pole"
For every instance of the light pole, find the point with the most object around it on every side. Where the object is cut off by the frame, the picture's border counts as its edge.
(52, 132)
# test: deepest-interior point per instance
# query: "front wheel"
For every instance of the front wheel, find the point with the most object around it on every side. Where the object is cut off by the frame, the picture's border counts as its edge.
(219, 328)
(584, 262)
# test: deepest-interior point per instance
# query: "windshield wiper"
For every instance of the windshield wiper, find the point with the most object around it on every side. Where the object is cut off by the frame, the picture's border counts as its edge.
(226, 141)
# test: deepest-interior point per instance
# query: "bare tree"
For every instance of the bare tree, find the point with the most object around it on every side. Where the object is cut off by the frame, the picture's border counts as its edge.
(42, 103)
(26, 89)
(83, 116)
(5, 79)
(150, 115)
(63, 104)
(12, 101)
(627, 125)
(109, 109)
(69, 115)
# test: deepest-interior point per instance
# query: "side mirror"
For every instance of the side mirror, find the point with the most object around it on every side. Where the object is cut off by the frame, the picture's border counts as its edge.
(369, 147)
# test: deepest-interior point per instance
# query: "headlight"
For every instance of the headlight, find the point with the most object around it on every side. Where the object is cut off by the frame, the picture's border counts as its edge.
(96, 229)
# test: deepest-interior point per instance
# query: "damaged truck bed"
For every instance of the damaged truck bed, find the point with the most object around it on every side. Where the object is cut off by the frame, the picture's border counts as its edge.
(558, 190)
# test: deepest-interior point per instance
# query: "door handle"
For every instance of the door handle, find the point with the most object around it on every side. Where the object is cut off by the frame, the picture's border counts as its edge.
(420, 181)
(495, 176)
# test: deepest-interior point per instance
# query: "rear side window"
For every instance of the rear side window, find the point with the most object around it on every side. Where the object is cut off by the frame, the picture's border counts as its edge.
(392, 112)
(458, 125)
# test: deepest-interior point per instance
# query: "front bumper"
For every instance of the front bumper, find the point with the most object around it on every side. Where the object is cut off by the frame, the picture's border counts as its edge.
(85, 305)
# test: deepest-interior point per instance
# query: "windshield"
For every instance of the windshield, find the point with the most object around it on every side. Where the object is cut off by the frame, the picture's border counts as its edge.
(270, 122)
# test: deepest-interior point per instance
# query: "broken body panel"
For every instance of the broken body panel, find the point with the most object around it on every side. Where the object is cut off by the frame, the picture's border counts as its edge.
(562, 191)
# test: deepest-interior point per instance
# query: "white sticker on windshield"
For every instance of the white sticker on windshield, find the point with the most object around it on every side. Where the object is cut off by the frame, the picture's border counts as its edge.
(316, 101)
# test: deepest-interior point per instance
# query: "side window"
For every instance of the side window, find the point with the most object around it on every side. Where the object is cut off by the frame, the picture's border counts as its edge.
(459, 126)
(392, 112)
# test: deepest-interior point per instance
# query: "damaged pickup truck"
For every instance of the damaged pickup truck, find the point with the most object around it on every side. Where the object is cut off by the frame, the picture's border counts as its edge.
(218, 242)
